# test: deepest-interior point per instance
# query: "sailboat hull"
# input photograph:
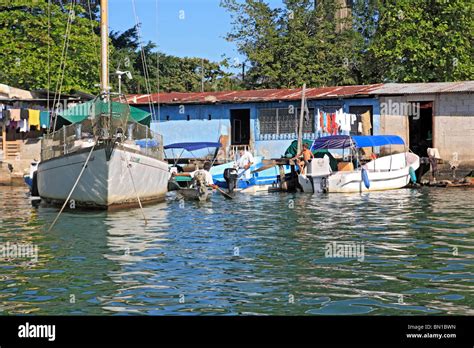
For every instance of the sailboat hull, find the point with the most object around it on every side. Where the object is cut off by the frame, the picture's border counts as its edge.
(106, 182)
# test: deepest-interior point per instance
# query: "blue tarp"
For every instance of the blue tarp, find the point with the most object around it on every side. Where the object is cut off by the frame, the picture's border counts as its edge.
(377, 140)
(147, 143)
(344, 141)
(192, 146)
(332, 142)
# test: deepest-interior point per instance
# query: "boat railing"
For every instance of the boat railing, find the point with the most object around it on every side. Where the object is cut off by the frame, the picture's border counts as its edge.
(74, 137)
(150, 143)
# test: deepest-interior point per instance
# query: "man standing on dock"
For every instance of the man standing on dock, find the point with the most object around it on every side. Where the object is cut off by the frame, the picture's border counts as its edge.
(245, 161)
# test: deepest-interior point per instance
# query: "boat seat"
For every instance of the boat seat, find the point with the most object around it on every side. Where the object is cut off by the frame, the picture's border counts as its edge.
(345, 167)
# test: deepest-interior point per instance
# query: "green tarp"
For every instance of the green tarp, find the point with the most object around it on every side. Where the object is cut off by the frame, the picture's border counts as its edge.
(291, 152)
(80, 112)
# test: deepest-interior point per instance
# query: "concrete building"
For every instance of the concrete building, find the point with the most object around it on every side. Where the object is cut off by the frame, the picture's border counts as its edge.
(426, 115)
(439, 115)
(263, 120)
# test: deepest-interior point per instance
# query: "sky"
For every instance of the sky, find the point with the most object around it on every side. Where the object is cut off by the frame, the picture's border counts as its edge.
(185, 28)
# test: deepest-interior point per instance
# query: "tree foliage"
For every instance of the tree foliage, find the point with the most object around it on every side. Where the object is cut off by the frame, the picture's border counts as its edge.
(307, 41)
(24, 48)
(175, 73)
(419, 40)
(24, 54)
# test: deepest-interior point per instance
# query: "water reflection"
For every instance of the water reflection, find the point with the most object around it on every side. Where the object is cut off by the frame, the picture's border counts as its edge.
(258, 254)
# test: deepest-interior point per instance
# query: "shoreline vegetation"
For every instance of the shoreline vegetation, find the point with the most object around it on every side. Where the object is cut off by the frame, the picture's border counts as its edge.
(327, 44)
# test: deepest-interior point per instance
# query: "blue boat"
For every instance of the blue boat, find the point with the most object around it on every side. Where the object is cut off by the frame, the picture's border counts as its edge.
(262, 179)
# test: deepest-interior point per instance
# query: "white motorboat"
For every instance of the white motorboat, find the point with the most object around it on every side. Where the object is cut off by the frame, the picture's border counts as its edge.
(384, 173)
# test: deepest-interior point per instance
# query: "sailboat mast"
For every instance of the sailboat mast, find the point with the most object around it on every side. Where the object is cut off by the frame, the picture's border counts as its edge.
(104, 48)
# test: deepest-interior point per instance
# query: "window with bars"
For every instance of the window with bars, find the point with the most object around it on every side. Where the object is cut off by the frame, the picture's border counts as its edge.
(284, 121)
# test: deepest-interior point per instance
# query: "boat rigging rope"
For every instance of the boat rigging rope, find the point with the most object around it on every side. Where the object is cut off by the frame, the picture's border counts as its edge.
(157, 65)
(49, 60)
(135, 189)
(144, 62)
(96, 43)
(62, 63)
(74, 187)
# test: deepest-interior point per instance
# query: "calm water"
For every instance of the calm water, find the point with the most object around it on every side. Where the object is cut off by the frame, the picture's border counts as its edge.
(258, 254)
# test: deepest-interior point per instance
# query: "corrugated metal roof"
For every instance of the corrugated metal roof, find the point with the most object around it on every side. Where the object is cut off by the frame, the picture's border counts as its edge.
(261, 95)
(425, 88)
(267, 95)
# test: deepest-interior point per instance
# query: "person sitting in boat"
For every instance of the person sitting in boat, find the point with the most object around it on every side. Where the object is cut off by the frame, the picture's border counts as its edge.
(303, 158)
(204, 172)
(244, 163)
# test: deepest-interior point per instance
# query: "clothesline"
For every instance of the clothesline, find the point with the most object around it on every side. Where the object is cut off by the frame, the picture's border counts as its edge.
(23, 119)
(340, 123)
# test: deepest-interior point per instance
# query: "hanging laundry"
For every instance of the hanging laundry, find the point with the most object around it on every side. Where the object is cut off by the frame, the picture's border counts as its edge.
(366, 125)
(340, 117)
(335, 126)
(316, 121)
(359, 127)
(44, 119)
(346, 123)
(328, 124)
(325, 122)
(34, 118)
(24, 126)
(15, 115)
(353, 118)
(24, 114)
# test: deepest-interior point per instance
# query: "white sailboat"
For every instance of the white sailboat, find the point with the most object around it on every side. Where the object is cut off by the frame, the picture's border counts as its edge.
(97, 163)
(384, 173)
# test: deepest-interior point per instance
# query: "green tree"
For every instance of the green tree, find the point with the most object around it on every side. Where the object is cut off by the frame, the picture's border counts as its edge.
(418, 40)
(24, 48)
(175, 73)
(25, 44)
(295, 44)
(399, 41)
(91, 6)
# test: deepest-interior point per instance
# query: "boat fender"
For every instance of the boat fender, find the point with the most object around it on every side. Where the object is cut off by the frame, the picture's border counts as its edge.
(365, 178)
(412, 175)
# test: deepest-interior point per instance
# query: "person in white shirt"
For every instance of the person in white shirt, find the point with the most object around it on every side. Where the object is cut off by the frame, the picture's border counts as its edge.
(205, 171)
(244, 163)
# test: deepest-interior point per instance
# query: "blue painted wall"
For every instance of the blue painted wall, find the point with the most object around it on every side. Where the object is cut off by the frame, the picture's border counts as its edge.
(206, 122)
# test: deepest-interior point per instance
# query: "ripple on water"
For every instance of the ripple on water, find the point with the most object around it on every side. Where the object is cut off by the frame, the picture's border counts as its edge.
(257, 255)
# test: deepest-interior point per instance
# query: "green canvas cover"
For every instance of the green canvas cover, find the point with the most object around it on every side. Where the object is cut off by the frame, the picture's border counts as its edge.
(291, 152)
(80, 112)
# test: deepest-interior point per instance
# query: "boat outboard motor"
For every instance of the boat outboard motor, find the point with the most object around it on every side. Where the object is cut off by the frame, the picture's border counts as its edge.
(230, 176)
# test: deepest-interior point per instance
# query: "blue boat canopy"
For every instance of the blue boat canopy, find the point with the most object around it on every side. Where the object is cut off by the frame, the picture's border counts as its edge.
(377, 140)
(344, 141)
(332, 142)
(192, 146)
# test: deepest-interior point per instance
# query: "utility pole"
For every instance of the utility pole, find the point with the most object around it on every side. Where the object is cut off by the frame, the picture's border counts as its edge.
(300, 126)
(202, 74)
